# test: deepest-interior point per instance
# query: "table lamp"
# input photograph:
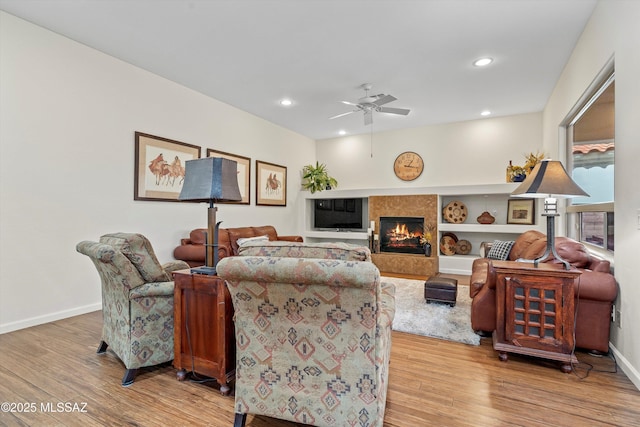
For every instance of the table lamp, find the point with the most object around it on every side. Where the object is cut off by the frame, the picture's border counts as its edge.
(212, 179)
(549, 180)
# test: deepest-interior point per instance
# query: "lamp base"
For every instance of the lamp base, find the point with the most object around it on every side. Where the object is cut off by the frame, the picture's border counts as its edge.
(551, 245)
(209, 271)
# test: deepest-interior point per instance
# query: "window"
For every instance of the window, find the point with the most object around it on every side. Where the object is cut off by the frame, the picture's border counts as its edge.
(596, 228)
(591, 161)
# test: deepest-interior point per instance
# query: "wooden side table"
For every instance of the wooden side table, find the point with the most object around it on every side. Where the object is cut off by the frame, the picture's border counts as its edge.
(204, 335)
(535, 311)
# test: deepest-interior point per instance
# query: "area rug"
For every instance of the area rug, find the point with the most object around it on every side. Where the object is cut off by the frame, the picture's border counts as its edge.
(415, 316)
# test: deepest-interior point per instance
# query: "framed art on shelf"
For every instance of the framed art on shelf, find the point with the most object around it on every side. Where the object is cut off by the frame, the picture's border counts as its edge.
(271, 184)
(521, 211)
(244, 173)
(159, 167)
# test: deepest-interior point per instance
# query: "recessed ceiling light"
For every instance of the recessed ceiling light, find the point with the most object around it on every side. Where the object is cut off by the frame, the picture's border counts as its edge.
(482, 62)
(286, 102)
(342, 132)
(485, 113)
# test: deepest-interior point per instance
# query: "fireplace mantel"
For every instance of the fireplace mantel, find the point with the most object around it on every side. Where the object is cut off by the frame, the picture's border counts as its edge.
(478, 189)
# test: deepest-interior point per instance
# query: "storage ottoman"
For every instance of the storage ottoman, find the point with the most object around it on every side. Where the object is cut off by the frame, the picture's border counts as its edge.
(441, 289)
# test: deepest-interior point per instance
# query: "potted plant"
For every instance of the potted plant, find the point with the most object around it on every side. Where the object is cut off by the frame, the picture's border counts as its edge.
(316, 178)
(532, 160)
(518, 174)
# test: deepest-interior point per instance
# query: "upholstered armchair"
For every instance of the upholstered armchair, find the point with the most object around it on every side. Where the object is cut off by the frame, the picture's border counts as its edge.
(313, 333)
(137, 300)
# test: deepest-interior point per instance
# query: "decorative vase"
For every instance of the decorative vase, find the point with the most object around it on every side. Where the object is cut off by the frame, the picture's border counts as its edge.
(427, 249)
(519, 178)
(486, 218)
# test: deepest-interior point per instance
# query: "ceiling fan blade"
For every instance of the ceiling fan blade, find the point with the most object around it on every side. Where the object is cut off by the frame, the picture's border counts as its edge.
(343, 114)
(368, 117)
(384, 100)
(349, 103)
(402, 111)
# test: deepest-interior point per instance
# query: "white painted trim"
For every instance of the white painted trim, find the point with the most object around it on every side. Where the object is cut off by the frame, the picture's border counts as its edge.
(51, 317)
(626, 367)
(458, 271)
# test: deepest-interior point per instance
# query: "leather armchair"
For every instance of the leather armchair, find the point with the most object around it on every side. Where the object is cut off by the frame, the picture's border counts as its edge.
(137, 300)
(595, 289)
(192, 249)
(313, 335)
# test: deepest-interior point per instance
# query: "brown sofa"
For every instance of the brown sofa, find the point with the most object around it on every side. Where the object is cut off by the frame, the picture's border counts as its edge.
(192, 249)
(595, 290)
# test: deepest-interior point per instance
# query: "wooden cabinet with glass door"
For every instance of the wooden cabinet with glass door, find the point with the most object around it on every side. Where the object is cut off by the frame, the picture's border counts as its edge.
(535, 311)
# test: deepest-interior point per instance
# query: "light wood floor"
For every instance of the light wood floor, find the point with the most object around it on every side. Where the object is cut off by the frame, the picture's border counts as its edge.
(431, 383)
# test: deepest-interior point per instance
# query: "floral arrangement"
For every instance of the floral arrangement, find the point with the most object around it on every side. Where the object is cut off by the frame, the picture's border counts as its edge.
(532, 160)
(518, 173)
(427, 235)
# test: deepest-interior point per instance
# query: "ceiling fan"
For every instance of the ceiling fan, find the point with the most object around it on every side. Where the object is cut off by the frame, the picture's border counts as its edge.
(370, 103)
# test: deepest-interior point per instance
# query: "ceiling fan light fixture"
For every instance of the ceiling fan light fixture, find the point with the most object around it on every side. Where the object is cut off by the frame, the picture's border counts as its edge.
(482, 62)
(370, 104)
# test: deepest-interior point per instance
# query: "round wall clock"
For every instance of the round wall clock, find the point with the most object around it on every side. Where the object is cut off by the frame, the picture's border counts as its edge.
(408, 166)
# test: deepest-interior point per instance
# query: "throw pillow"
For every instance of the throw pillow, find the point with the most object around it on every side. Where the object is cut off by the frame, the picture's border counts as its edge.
(244, 240)
(500, 250)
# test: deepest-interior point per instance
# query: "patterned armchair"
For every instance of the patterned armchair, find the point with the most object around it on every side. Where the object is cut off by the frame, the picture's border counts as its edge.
(313, 333)
(137, 300)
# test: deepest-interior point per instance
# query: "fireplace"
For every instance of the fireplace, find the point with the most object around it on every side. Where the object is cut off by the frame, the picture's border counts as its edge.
(401, 234)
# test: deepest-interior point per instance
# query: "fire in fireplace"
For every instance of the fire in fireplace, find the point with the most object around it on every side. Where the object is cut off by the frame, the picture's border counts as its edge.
(401, 235)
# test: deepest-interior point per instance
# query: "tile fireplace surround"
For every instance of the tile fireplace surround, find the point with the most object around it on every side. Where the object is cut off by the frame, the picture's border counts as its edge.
(422, 205)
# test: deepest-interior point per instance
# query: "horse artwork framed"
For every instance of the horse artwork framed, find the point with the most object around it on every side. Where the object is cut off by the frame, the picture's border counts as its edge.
(159, 167)
(244, 173)
(271, 184)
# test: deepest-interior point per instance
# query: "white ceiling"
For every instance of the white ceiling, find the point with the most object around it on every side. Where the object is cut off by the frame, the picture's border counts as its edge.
(252, 53)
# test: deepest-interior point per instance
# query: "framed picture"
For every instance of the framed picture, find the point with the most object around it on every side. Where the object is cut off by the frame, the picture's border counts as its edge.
(521, 211)
(244, 173)
(271, 184)
(159, 167)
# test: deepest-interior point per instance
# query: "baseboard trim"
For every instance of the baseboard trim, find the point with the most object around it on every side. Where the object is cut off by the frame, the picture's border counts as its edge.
(51, 317)
(626, 367)
(458, 271)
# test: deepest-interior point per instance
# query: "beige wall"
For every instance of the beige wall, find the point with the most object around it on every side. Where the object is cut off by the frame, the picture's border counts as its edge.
(463, 153)
(68, 116)
(612, 32)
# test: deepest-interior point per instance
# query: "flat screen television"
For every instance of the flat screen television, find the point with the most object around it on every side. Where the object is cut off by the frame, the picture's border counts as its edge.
(338, 214)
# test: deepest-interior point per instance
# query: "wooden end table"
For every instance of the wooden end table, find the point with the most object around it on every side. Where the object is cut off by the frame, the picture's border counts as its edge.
(535, 311)
(204, 334)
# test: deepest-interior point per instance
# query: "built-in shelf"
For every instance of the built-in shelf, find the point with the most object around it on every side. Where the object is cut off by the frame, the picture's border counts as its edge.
(478, 198)
(485, 228)
(492, 199)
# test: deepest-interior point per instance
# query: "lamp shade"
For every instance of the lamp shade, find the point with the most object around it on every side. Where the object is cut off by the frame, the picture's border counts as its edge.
(549, 179)
(210, 179)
